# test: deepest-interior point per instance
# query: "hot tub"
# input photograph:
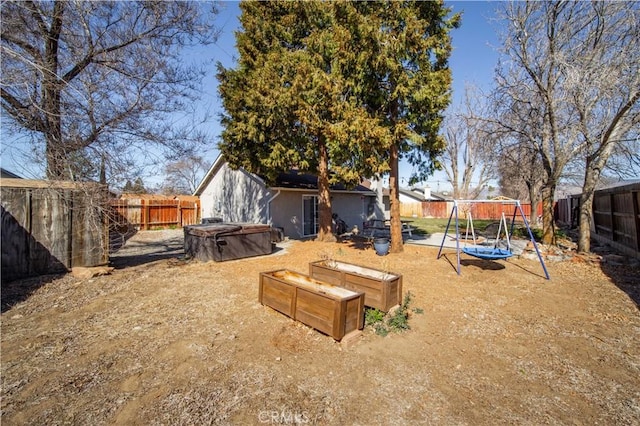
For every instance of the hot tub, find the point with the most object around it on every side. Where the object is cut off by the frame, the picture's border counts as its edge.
(226, 241)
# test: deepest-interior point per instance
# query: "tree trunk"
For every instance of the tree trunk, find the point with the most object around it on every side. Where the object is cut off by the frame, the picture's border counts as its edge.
(548, 224)
(534, 199)
(591, 177)
(584, 229)
(394, 198)
(51, 87)
(325, 233)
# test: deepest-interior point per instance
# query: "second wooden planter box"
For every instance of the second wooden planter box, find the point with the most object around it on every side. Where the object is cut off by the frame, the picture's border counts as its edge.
(333, 310)
(382, 290)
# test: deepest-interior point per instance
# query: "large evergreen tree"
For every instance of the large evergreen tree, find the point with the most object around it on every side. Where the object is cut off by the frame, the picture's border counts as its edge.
(290, 102)
(408, 86)
(341, 89)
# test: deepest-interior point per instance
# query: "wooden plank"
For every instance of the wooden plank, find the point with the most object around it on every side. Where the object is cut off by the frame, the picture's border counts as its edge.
(354, 314)
(277, 295)
(49, 228)
(382, 290)
(317, 311)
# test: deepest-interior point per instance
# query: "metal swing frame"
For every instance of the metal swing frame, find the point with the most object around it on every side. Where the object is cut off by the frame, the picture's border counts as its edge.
(494, 253)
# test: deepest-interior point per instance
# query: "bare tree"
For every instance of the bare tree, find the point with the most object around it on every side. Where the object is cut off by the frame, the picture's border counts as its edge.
(603, 85)
(91, 82)
(569, 87)
(183, 176)
(516, 127)
(466, 159)
(520, 178)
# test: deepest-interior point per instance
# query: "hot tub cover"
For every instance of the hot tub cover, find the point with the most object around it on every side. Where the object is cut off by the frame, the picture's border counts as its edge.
(227, 241)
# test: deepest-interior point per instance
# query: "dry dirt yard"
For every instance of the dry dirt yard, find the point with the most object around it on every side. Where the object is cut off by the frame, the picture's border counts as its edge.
(166, 341)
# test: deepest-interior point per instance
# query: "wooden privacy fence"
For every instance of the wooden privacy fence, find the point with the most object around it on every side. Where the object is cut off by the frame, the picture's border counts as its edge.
(49, 227)
(426, 209)
(490, 211)
(566, 210)
(442, 209)
(149, 213)
(616, 217)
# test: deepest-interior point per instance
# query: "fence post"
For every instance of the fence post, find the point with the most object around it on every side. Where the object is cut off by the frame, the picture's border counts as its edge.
(145, 214)
(635, 195)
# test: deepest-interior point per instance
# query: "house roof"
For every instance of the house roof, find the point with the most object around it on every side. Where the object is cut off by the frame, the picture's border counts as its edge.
(157, 197)
(418, 194)
(293, 180)
(297, 180)
(6, 174)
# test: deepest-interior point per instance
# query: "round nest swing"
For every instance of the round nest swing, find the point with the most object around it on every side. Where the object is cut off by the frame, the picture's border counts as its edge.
(487, 253)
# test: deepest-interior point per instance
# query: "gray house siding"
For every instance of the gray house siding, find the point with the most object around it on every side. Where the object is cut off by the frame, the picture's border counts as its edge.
(287, 210)
(354, 209)
(239, 196)
(235, 196)
(286, 213)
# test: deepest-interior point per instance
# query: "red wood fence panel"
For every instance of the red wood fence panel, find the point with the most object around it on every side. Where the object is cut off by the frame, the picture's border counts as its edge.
(442, 210)
(154, 213)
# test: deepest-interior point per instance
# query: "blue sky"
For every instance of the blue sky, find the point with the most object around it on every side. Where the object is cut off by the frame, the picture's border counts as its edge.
(472, 62)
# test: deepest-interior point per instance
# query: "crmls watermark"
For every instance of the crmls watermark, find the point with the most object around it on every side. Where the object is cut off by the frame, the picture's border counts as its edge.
(283, 417)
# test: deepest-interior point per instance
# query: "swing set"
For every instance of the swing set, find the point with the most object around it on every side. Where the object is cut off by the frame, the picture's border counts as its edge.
(499, 250)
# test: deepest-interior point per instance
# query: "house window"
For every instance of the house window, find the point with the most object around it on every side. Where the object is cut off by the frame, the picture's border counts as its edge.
(310, 215)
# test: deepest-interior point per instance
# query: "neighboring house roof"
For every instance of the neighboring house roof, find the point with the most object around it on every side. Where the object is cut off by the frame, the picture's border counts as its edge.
(293, 180)
(618, 184)
(145, 196)
(6, 174)
(418, 194)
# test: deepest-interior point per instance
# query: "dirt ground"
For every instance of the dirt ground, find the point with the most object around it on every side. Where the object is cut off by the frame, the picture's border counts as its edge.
(162, 340)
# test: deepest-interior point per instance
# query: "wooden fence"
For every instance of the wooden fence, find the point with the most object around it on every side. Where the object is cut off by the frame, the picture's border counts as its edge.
(49, 227)
(442, 210)
(616, 217)
(145, 214)
(566, 210)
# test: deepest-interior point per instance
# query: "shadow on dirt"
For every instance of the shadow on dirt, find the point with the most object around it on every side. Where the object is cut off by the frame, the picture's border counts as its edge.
(623, 270)
(18, 291)
(139, 252)
(488, 265)
(152, 246)
(627, 278)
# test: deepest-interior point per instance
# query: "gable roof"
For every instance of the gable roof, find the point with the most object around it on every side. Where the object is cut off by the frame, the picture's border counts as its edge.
(6, 174)
(292, 180)
(297, 180)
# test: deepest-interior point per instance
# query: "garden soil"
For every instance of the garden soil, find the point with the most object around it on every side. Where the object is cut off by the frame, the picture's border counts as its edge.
(162, 340)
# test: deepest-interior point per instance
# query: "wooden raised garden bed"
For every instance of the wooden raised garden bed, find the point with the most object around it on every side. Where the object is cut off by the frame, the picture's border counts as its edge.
(382, 290)
(332, 310)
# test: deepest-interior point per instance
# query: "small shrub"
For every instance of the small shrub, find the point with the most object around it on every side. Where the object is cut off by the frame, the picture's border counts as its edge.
(397, 321)
(373, 316)
(381, 329)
